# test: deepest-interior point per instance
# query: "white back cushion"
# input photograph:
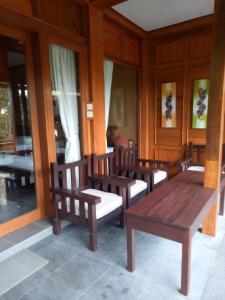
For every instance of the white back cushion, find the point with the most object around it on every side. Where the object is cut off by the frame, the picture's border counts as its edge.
(196, 168)
(159, 175)
(138, 187)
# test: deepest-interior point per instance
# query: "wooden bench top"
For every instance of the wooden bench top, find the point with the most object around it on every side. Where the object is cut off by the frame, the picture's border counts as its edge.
(181, 202)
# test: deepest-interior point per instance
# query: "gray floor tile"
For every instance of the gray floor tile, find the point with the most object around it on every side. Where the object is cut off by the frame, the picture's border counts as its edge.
(26, 286)
(206, 241)
(117, 283)
(17, 268)
(51, 289)
(4, 244)
(79, 273)
(76, 236)
(154, 292)
(169, 277)
(219, 267)
(56, 252)
(23, 233)
(215, 289)
(44, 223)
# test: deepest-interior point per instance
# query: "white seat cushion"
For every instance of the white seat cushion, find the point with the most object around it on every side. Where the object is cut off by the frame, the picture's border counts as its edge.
(109, 202)
(196, 168)
(159, 175)
(138, 187)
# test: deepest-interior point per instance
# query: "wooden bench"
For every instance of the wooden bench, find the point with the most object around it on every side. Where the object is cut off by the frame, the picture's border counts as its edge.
(174, 211)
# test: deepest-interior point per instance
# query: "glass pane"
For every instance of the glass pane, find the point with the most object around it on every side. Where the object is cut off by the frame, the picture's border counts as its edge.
(66, 96)
(17, 180)
(121, 105)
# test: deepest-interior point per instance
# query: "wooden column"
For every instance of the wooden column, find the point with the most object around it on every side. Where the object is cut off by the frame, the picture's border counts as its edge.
(215, 114)
(96, 54)
(144, 139)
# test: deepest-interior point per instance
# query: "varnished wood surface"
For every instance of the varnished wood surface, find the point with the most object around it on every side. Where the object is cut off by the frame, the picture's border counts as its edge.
(177, 203)
(215, 132)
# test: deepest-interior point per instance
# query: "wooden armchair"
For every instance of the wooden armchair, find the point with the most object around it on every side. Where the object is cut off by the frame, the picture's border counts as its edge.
(84, 200)
(159, 168)
(135, 180)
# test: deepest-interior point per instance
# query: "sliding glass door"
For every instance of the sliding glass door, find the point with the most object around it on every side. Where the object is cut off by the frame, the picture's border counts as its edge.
(121, 109)
(19, 201)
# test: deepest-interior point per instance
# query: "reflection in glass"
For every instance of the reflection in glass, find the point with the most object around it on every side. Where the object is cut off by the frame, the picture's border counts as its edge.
(17, 181)
(120, 105)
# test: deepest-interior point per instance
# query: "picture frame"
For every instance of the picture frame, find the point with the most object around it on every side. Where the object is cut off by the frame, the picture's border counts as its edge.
(200, 104)
(168, 105)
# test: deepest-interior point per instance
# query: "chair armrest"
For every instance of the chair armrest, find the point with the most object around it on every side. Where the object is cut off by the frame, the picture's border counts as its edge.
(90, 199)
(112, 180)
(183, 163)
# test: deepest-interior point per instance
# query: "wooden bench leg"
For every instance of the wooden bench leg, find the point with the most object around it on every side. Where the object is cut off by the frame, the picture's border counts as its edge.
(186, 264)
(56, 226)
(221, 211)
(130, 249)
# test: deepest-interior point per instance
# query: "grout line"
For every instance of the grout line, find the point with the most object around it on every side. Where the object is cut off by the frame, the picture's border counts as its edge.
(99, 277)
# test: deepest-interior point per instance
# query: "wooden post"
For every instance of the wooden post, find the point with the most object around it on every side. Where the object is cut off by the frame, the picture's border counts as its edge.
(215, 115)
(96, 53)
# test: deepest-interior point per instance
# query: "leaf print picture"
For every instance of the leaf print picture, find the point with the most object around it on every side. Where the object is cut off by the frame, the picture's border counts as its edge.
(169, 105)
(200, 104)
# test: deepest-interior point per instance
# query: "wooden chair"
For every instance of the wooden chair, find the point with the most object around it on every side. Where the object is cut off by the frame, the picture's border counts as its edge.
(159, 169)
(136, 181)
(84, 200)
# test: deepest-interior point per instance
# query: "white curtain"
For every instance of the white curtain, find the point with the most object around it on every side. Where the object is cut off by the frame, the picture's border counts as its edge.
(108, 74)
(63, 71)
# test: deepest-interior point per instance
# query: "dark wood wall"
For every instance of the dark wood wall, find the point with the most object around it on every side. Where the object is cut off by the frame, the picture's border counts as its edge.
(180, 56)
(120, 44)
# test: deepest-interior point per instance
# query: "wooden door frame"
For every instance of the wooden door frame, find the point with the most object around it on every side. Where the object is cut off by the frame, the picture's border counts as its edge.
(138, 97)
(42, 41)
(37, 213)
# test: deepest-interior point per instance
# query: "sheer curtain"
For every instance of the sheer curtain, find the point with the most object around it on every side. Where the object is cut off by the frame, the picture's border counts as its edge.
(63, 71)
(108, 73)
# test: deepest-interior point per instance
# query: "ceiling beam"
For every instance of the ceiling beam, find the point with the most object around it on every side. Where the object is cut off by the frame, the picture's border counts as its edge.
(103, 4)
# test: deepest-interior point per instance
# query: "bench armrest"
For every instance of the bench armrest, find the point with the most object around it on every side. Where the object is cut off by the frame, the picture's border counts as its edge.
(75, 195)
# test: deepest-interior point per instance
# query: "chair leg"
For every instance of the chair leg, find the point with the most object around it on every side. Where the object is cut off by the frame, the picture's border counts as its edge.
(122, 220)
(57, 226)
(93, 241)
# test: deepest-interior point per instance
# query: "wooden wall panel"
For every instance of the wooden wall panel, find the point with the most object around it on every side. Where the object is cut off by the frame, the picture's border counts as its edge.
(182, 58)
(168, 154)
(120, 44)
(130, 52)
(112, 41)
(200, 44)
(65, 14)
(21, 6)
(170, 51)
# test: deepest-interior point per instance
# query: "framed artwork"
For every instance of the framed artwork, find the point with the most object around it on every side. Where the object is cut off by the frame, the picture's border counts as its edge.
(200, 104)
(169, 105)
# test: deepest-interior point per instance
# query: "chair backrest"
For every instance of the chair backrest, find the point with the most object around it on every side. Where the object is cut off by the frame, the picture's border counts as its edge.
(126, 156)
(104, 164)
(72, 175)
(188, 149)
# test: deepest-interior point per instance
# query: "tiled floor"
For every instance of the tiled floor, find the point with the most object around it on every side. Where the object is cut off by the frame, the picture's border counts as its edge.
(73, 272)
